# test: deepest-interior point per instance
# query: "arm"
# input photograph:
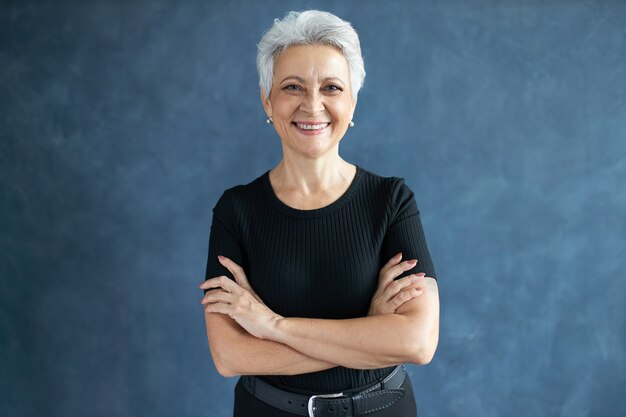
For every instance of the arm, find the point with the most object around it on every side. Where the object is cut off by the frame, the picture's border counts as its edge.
(236, 352)
(410, 335)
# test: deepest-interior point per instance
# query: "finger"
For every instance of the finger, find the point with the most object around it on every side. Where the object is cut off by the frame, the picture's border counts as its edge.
(405, 296)
(223, 282)
(218, 308)
(239, 275)
(234, 269)
(401, 284)
(212, 283)
(217, 297)
(391, 270)
(391, 262)
(397, 270)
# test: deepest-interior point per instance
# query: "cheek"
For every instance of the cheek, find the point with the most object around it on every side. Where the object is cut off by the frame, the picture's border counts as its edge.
(343, 109)
(285, 106)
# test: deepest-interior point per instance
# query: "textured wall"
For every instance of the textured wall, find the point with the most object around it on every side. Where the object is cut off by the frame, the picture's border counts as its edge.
(121, 124)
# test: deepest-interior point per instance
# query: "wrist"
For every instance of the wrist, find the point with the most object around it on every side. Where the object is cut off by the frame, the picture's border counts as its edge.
(279, 329)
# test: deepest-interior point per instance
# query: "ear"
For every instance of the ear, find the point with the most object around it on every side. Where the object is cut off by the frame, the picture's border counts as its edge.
(267, 105)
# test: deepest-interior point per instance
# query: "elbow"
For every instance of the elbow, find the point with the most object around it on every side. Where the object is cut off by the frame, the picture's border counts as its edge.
(422, 351)
(422, 356)
(223, 340)
(222, 365)
(224, 371)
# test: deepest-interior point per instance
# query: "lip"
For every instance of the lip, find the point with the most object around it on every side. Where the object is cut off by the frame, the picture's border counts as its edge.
(309, 123)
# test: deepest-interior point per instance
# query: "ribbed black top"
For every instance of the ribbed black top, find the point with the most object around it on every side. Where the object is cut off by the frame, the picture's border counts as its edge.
(320, 263)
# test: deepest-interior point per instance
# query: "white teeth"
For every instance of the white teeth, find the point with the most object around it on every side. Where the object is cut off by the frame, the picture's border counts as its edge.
(312, 127)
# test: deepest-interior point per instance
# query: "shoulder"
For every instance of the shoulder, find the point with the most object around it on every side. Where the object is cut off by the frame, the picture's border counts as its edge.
(391, 188)
(241, 194)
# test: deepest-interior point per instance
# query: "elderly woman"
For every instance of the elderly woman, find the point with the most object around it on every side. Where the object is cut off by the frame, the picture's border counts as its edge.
(319, 286)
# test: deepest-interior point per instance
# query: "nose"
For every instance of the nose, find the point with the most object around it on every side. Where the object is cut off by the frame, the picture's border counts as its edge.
(312, 103)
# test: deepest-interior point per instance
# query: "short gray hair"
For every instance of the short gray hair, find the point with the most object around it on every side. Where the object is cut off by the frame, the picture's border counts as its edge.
(311, 27)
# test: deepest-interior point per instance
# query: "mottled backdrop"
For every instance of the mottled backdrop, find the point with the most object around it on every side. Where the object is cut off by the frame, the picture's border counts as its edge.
(121, 123)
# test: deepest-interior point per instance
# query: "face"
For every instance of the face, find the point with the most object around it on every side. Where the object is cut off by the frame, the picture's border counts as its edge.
(310, 101)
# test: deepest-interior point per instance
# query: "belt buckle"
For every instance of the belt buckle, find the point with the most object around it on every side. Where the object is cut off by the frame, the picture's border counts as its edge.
(310, 406)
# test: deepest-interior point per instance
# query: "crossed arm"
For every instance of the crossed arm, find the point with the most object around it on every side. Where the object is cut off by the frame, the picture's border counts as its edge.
(246, 337)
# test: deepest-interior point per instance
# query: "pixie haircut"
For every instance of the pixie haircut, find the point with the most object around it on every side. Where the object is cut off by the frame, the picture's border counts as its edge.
(311, 27)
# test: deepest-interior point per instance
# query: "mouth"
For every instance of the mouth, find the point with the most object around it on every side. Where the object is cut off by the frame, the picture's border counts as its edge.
(310, 128)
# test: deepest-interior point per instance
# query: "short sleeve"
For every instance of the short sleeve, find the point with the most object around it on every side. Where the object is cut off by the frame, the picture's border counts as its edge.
(405, 233)
(223, 239)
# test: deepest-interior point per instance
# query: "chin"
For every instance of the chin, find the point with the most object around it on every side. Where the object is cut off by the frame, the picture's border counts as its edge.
(317, 152)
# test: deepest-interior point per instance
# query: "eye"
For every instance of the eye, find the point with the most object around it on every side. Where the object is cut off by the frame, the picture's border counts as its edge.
(292, 87)
(332, 88)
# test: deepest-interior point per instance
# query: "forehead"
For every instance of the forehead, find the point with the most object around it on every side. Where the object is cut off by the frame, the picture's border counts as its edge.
(311, 62)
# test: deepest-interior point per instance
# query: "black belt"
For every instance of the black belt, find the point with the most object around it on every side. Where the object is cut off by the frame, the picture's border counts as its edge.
(378, 396)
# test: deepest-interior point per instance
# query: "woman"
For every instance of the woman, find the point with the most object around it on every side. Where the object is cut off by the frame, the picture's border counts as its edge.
(310, 300)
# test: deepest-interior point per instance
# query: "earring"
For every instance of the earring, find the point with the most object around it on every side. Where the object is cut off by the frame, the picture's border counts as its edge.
(269, 120)
(351, 124)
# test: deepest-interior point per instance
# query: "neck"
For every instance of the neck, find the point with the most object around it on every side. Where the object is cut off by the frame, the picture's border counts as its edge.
(309, 176)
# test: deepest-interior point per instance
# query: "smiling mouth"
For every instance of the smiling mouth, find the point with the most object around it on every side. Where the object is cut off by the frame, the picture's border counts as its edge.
(312, 127)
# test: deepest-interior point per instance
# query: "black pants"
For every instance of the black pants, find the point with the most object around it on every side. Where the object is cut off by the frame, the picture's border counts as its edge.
(246, 405)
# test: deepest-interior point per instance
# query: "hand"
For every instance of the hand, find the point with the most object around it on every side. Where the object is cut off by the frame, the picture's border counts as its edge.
(239, 274)
(239, 301)
(391, 294)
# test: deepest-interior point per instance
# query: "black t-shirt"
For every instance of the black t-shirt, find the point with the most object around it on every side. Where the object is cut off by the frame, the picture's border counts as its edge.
(320, 263)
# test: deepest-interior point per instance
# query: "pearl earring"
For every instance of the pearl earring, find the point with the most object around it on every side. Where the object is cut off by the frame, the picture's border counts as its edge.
(351, 124)
(269, 120)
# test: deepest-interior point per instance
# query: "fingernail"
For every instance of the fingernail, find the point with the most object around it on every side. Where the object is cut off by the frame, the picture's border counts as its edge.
(220, 257)
(412, 262)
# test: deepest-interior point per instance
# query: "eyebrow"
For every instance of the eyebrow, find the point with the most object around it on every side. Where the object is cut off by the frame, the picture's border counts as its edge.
(300, 79)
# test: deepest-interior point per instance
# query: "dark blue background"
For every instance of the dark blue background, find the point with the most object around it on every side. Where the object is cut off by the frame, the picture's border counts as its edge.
(121, 125)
